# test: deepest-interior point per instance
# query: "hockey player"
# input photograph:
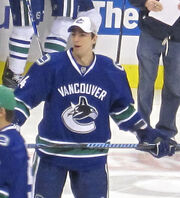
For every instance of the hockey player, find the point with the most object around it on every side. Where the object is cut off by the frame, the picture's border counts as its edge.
(20, 40)
(81, 90)
(64, 12)
(13, 155)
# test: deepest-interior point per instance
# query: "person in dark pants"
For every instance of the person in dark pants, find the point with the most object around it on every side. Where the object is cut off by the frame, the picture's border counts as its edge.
(156, 39)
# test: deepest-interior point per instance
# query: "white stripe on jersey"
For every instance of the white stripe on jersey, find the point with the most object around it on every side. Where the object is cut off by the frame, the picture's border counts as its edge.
(4, 193)
(65, 7)
(68, 4)
(22, 13)
(72, 156)
(37, 161)
(18, 44)
(72, 8)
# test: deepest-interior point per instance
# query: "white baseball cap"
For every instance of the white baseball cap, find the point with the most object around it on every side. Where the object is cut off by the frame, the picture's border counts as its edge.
(85, 24)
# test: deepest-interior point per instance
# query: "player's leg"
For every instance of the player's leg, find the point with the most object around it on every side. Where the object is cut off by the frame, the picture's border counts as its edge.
(64, 13)
(19, 44)
(171, 89)
(90, 183)
(48, 179)
(56, 41)
(148, 52)
(19, 41)
(87, 9)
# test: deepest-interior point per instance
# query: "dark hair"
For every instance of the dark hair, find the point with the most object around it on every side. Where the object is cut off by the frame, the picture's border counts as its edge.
(92, 36)
(9, 115)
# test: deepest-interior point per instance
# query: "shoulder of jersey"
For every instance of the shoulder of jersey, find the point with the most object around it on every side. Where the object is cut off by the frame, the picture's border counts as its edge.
(109, 62)
(118, 66)
(53, 57)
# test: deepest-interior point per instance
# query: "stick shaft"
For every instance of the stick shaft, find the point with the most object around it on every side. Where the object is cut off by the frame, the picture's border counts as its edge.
(121, 32)
(36, 33)
(94, 146)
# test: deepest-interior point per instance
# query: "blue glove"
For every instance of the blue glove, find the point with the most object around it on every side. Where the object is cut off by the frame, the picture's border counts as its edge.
(164, 145)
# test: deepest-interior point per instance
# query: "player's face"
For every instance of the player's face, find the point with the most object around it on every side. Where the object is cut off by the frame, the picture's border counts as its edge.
(2, 111)
(3, 121)
(82, 42)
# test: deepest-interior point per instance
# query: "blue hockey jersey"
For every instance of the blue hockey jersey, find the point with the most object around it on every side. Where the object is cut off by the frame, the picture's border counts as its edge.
(13, 164)
(78, 103)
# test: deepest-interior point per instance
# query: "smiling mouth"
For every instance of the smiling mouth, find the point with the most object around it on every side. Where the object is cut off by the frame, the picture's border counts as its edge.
(77, 46)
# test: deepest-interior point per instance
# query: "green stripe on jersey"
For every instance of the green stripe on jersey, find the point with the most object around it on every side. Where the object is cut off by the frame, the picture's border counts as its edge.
(69, 151)
(26, 14)
(123, 115)
(75, 152)
(3, 194)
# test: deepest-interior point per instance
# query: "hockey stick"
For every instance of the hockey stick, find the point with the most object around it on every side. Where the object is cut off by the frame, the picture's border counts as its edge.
(85, 145)
(121, 31)
(142, 147)
(36, 33)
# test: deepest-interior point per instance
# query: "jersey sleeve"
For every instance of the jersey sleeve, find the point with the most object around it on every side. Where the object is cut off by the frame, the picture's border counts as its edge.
(122, 110)
(34, 88)
(85, 5)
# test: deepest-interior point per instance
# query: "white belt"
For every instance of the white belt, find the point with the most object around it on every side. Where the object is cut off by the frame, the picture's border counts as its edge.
(166, 42)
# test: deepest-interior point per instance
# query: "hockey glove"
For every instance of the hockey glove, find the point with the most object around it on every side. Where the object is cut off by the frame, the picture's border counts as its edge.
(164, 146)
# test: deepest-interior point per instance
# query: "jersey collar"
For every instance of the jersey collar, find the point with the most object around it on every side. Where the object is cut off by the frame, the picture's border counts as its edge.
(75, 64)
(11, 126)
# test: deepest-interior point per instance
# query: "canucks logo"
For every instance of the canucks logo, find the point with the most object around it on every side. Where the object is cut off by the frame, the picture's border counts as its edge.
(80, 118)
(80, 21)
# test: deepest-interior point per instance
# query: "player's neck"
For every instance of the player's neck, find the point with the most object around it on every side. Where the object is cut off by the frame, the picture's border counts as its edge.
(3, 123)
(84, 60)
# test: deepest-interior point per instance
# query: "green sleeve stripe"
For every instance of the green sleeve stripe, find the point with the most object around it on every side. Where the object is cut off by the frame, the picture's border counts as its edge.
(4, 194)
(123, 115)
(22, 108)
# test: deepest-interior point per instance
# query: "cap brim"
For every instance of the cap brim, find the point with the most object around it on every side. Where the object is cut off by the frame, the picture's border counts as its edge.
(74, 26)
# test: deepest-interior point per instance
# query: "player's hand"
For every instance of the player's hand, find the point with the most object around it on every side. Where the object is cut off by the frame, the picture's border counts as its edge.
(164, 146)
(153, 5)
